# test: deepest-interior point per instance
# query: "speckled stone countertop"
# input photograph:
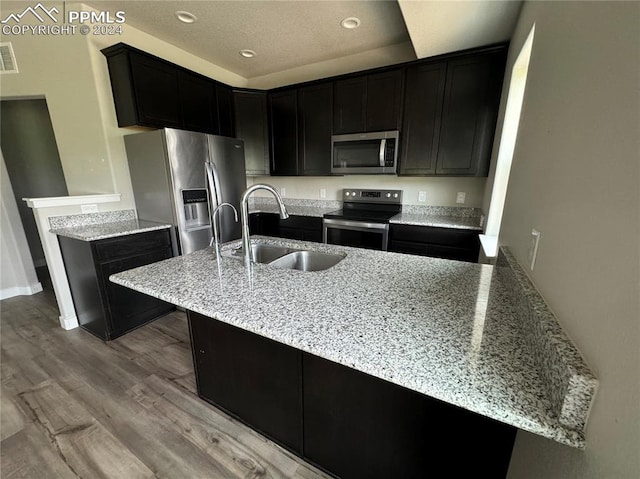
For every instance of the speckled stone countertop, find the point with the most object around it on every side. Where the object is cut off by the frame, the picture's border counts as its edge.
(112, 229)
(438, 216)
(446, 329)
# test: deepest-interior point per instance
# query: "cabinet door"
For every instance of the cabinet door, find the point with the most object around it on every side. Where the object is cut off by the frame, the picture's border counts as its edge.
(424, 94)
(349, 105)
(315, 109)
(472, 95)
(252, 377)
(283, 111)
(226, 122)
(359, 426)
(251, 127)
(384, 101)
(198, 103)
(156, 89)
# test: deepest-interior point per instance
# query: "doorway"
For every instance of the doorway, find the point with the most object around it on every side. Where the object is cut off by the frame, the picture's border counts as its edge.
(31, 156)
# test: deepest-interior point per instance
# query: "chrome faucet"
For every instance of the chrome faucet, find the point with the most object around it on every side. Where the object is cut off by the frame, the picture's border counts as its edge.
(244, 213)
(216, 236)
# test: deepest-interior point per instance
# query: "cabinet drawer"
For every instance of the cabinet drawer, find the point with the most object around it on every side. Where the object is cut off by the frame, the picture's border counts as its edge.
(450, 237)
(130, 245)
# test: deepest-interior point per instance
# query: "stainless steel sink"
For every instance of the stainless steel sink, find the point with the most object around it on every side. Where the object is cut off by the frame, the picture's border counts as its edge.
(265, 253)
(307, 260)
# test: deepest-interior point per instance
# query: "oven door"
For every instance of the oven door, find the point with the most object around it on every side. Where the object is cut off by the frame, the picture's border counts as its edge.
(356, 233)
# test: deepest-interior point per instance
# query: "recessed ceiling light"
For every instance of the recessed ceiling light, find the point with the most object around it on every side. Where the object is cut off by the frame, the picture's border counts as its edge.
(350, 23)
(247, 53)
(185, 17)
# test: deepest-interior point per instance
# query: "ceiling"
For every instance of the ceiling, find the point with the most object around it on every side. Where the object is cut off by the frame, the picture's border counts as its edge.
(291, 34)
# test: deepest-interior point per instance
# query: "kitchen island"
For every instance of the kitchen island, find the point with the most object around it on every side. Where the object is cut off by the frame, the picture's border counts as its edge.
(455, 333)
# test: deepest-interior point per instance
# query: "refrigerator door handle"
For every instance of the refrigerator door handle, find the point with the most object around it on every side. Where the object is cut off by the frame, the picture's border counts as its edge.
(215, 197)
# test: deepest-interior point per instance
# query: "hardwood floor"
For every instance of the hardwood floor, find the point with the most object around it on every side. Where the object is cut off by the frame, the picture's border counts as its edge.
(74, 406)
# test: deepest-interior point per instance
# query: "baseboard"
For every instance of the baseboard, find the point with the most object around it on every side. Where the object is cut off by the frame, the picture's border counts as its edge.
(7, 293)
(69, 323)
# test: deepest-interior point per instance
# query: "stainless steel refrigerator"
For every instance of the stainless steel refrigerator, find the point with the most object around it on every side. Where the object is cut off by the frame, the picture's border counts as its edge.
(169, 182)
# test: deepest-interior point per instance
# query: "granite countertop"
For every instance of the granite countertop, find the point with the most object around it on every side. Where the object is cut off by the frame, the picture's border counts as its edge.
(440, 221)
(447, 329)
(112, 229)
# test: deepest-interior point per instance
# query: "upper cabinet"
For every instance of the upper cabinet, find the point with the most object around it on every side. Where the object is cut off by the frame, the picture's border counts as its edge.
(450, 114)
(151, 92)
(314, 129)
(252, 128)
(368, 103)
(300, 121)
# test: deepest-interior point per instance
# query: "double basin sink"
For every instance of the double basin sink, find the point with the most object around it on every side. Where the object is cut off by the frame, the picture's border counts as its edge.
(292, 258)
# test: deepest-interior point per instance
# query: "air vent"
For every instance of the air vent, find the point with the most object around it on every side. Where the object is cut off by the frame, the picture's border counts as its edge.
(7, 59)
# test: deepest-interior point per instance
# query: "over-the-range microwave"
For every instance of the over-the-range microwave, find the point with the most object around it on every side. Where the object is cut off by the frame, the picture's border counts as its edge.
(365, 153)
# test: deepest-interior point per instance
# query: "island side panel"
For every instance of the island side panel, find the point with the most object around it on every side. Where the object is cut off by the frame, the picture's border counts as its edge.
(356, 425)
(255, 379)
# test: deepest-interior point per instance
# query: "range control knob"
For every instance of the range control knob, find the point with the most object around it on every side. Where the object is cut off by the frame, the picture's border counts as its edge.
(395, 195)
(353, 193)
(388, 195)
(346, 193)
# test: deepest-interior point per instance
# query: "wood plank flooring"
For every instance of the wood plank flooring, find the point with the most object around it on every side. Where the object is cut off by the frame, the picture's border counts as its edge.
(74, 406)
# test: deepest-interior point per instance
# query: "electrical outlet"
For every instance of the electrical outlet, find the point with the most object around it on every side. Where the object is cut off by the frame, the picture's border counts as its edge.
(323, 192)
(422, 196)
(461, 197)
(89, 208)
(533, 247)
(283, 192)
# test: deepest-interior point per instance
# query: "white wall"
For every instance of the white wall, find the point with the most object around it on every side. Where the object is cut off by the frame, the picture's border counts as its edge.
(440, 191)
(17, 274)
(71, 73)
(575, 178)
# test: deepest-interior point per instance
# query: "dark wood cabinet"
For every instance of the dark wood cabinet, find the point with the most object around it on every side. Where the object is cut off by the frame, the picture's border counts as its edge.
(449, 118)
(155, 86)
(356, 425)
(470, 110)
(253, 378)
(368, 103)
(283, 121)
(315, 106)
(252, 128)
(424, 94)
(350, 424)
(198, 102)
(105, 308)
(349, 108)
(151, 92)
(304, 228)
(437, 242)
(226, 121)
(300, 121)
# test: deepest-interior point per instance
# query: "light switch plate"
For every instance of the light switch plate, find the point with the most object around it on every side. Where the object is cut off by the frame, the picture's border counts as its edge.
(422, 196)
(323, 192)
(283, 192)
(461, 197)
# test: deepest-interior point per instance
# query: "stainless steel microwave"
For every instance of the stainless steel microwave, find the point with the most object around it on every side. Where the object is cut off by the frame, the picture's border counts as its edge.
(365, 153)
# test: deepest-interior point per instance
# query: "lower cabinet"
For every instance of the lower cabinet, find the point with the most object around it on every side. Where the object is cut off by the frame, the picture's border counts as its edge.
(251, 377)
(304, 228)
(346, 422)
(437, 242)
(104, 308)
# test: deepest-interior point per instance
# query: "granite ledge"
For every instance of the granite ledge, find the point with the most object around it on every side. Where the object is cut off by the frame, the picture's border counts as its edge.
(114, 229)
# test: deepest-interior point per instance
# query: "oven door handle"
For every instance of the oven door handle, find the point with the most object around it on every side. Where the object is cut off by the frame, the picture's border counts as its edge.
(383, 147)
(355, 225)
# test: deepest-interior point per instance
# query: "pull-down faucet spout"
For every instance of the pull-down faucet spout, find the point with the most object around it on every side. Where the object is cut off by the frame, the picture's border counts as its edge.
(244, 213)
